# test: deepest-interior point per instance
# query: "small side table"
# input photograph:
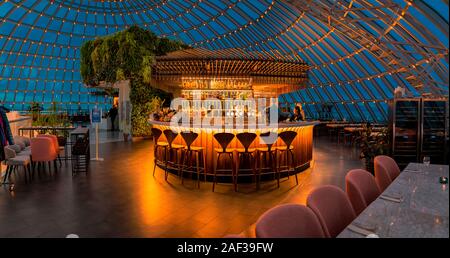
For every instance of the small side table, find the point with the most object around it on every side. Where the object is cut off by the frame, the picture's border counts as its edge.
(80, 152)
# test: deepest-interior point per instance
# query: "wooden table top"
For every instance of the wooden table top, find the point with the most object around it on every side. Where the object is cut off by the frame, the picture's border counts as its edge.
(80, 130)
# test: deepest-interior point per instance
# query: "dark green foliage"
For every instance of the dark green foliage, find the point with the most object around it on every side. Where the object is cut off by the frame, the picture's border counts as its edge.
(373, 144)
(141, 96)
(105, 92)
(35, 109)
(128, 55)
(86, 68)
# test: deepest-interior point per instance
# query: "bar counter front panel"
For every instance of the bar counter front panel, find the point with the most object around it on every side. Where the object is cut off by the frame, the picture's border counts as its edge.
(303, 143)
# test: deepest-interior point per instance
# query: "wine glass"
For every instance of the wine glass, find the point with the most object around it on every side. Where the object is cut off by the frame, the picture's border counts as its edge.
(426, 161)
(443, 180)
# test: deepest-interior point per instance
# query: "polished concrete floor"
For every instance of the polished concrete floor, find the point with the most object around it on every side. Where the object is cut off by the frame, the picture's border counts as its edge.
(120, 198)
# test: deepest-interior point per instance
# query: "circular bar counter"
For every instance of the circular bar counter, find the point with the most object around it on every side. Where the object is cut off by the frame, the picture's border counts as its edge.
(302, 144)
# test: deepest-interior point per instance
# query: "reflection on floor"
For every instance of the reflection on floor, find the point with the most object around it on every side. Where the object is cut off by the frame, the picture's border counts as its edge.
(121, 198)
(105, 136)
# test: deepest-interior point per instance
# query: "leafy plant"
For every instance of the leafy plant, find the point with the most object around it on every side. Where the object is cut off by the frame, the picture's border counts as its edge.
(373, 144)
(128, 55)
(144, 104)
(35, 109)
(53, 119)
(105, 92)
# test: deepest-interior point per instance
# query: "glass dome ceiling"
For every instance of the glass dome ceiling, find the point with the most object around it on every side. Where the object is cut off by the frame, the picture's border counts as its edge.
(359, 50)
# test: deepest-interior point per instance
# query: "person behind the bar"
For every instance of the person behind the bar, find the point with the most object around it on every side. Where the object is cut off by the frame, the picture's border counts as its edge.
(299, 114)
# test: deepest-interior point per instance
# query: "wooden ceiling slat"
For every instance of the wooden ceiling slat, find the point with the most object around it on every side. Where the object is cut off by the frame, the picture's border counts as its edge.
(231, 62)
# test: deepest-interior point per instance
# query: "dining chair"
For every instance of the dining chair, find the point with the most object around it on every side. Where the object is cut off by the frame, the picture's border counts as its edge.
(361, 188)
(386, 170)
(55, 142)
(289, 221)
(14, 161)
(332, 207)
(43, 150)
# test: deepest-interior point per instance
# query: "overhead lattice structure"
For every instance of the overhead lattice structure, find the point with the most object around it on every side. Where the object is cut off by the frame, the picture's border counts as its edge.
(359, 51)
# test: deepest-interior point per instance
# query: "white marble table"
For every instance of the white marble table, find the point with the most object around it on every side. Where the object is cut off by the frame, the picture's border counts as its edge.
(423, 212)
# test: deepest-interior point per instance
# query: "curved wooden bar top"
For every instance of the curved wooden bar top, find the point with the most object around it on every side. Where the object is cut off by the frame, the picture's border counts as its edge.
(303, 143)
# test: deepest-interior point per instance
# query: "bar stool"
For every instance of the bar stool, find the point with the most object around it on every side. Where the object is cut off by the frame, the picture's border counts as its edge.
(287, 137)
(186, 156)
(224, 139)
(172, 149)
(246, 139)
(263, 152)
(156, 133)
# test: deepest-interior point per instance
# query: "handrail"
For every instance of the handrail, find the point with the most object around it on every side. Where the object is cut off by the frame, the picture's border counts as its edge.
(20, 119)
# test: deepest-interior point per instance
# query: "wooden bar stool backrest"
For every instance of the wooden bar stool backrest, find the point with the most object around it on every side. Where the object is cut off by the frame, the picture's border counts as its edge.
(288, 137)
(264, 138)
(246, 139)
(189, 138)
(170, 136)
(224, 139)
(156, 133)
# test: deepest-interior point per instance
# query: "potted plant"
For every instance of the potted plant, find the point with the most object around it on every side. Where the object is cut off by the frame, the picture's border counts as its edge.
(54, 118)
(373, 144)
(142, 116)
(35, 109)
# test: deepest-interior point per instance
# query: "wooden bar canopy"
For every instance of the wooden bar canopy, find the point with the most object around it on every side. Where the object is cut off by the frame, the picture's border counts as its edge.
(269, 76)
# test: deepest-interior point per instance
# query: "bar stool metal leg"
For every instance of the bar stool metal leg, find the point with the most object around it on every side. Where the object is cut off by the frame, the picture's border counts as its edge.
(230, 156)
(224, 139)
(293, 165)
(268, 158)
(197, 159)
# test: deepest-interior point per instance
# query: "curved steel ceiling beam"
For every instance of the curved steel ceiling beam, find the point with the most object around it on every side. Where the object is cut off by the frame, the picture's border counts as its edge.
(347, 18)
(359, 49)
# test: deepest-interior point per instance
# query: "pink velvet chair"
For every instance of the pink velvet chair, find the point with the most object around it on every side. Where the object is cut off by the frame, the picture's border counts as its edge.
(289, 221)
(361, 188)
(43, 150)
(386, 170)
(333, 208)
(54, 139)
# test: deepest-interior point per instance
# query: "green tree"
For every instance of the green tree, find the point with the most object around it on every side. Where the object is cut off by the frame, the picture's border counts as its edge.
(128, 55)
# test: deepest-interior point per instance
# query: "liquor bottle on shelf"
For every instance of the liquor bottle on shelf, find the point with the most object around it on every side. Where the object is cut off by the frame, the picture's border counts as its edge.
(434, 131)
(405, 130)
(419, 129)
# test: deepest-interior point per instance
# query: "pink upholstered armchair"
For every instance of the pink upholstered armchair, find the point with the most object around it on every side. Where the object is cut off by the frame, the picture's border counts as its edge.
(333, 208)
(386, 171)
(43, 150)
(361, 188)
(54, 139)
